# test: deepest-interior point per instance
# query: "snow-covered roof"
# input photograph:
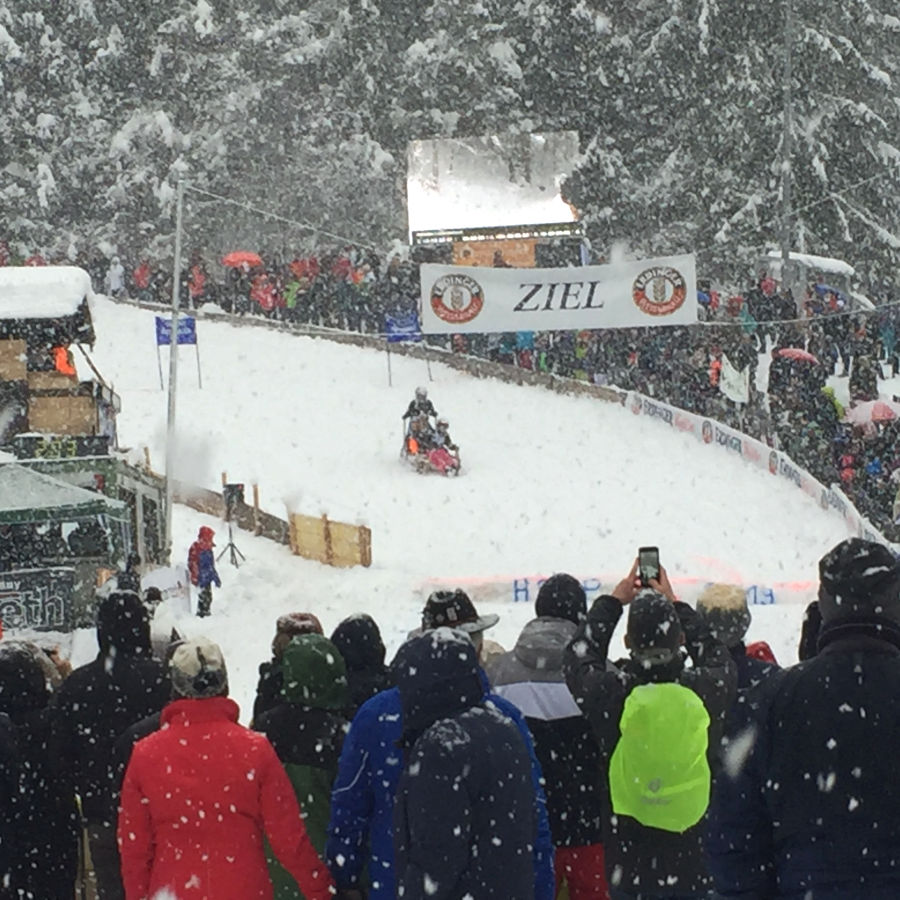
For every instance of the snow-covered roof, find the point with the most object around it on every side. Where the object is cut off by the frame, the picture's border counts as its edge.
(42, 292)
(820, 263)
(29, 496)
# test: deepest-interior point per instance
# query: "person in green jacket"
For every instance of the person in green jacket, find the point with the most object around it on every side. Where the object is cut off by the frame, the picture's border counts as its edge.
(307, 731)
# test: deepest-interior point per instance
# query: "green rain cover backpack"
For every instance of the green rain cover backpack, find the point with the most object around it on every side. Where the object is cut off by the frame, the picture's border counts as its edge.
(658, 772)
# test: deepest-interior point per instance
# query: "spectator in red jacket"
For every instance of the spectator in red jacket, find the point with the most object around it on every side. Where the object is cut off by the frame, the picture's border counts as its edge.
(202, 793)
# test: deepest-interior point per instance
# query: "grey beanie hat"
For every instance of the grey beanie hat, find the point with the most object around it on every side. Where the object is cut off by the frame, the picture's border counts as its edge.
(198, 670)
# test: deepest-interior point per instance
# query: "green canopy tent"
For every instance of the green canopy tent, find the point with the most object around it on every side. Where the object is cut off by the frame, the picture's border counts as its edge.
(29, 497)
(42, 588)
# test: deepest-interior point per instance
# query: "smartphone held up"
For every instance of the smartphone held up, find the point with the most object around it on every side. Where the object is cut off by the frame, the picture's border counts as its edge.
(648, 565)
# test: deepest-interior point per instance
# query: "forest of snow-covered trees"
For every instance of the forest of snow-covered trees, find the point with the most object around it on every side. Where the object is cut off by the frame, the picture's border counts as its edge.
(306, 108)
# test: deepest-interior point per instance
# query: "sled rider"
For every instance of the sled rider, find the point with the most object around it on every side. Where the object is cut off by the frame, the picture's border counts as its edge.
(421, 437)
(419, 406)
(441, 436)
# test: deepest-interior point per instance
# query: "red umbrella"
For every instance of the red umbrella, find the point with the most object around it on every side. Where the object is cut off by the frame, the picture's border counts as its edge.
(873, 411)
(240, 257)
(797, 354)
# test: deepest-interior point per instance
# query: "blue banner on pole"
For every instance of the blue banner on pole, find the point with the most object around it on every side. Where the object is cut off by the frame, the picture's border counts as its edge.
(402, 327)
(187, 330)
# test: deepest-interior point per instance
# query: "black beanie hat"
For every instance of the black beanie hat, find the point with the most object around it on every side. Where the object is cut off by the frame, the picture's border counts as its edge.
(123, 624)
(562, 597)
(23, 687)
(654, 629)
(859, 580)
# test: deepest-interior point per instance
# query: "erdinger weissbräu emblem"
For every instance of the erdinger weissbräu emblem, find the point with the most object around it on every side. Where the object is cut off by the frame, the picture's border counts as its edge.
(659, 291)
(706, 431)
(456, 298)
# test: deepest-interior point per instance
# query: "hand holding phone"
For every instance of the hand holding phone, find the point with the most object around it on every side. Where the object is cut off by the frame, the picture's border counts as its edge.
(648, 565)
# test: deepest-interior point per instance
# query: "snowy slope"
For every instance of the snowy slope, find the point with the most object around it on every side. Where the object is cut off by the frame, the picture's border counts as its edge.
(550, 483)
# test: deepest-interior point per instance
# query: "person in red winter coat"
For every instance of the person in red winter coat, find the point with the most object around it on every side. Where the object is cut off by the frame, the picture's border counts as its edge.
(202, 568)
(202, 793)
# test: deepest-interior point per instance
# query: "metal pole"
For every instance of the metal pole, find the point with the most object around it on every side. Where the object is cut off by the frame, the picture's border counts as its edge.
(787, 148)
(173, 373)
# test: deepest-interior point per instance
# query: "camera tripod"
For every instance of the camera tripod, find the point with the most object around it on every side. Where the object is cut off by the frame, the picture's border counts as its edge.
(232, 547)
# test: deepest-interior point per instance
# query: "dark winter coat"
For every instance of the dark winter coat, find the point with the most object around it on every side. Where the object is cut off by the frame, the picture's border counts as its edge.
(809, 632)
(9, 792)
(464, 816)
(198, 796)
(307, 731)
(640, 859)
(530, 676)
(359, 641)
(814, 811)
(362, 804)
(751, 672)
(122, 755)
(101, 699)
(752, 676)
(268, 688)
(416, 409)
(43, 814)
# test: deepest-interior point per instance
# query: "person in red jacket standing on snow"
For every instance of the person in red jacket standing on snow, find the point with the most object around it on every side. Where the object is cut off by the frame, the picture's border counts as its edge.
(200, 795)
(202, 568)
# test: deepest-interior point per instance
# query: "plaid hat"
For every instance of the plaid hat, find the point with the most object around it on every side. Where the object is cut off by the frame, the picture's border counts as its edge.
(454, 609)
(198, 670)
(723, 608)
(654, 629)
(562, 597)
(859, 580)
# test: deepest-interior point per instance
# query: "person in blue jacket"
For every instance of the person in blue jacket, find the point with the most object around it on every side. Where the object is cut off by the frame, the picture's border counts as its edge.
(202, 569)
(360, 833)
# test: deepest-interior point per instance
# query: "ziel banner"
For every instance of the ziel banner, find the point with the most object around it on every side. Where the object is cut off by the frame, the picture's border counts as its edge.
(468, 299)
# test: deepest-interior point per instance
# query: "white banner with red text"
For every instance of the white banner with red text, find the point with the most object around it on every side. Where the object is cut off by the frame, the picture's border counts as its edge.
(476, 300)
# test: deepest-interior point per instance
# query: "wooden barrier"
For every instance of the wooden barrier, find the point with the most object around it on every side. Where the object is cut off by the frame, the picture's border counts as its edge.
(331, 543)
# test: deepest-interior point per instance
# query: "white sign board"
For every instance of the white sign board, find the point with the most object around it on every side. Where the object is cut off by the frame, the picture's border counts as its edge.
(174, 585)
(489, 181)
(473, 300)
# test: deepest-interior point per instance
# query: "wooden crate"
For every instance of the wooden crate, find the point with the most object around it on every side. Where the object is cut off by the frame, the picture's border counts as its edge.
(13, 360)
(62, 415)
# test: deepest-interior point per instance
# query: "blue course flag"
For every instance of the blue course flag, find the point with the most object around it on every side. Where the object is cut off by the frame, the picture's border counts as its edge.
(402, 327)
(187, 330)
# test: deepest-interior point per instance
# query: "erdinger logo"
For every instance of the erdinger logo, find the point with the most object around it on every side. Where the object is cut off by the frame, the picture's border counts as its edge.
(456, 298)
(707, 431)
(637, 404)
(659, 291)
(773, 463)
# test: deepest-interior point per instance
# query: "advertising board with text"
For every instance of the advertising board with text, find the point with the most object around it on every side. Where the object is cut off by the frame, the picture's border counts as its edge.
(480, 300)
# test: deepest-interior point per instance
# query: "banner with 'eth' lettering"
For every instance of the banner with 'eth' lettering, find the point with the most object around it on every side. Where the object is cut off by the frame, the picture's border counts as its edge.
(476, 300)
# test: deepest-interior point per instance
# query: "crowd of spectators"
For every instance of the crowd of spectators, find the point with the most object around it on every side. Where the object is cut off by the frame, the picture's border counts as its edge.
(692, 767)
(793, 409)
